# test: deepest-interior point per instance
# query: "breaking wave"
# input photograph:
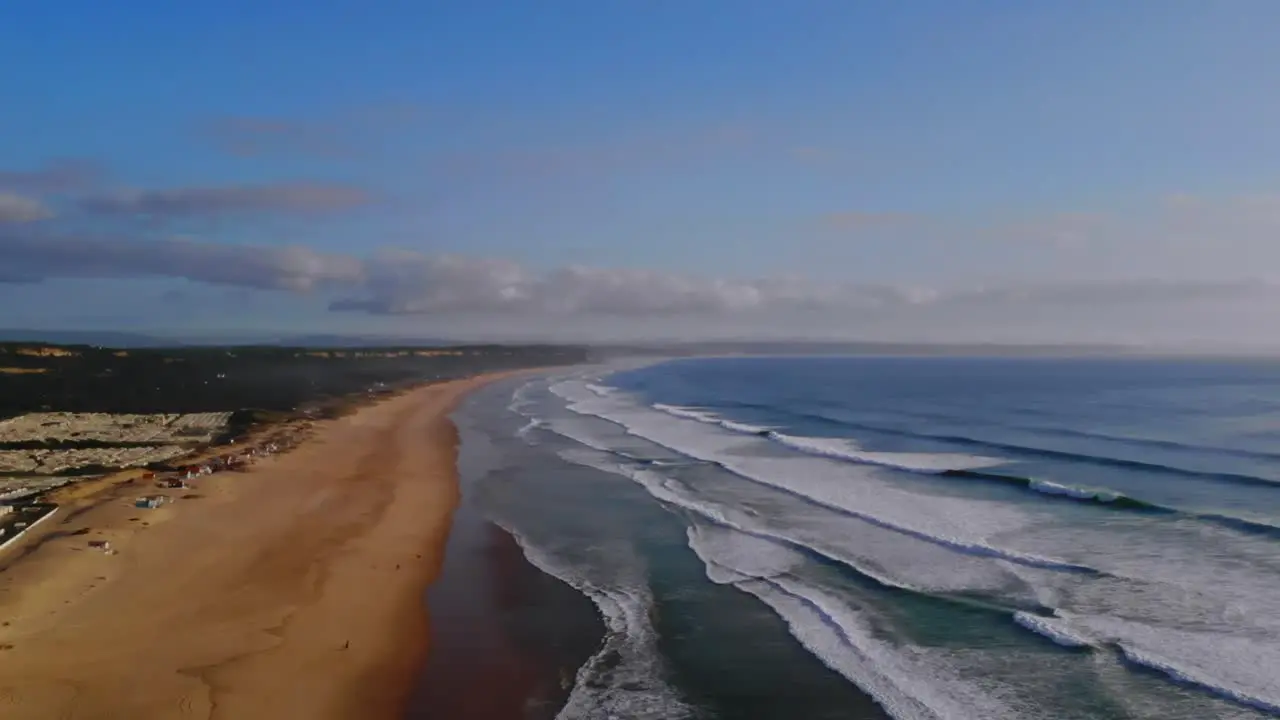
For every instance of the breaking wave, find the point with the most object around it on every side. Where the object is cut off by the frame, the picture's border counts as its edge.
(972, 466)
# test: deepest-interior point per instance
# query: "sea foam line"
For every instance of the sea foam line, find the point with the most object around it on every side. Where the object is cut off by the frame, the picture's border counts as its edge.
(710, 418)
(958, 544)
(837, 635)
(1108, 498)
(1061, 631)
(1067, 456)
(1054, 630)
(628, 654)
(673, 492)
(745, 521)
(969, 466)
(840, 448)
(1190, 677)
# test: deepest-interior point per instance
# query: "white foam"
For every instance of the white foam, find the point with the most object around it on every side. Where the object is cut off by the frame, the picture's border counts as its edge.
(1054, 629)
(568, 430)
(748, 556)
(840, 448)
(847, 450)
(573, 391)
(524, 431)
(889, 559)
(624, 677)
(1052, 488)
(957, 523)
(1204, 681)
(1205, 622)
(711, 418)
(520, 397)
(903, 682)
(1242, 669)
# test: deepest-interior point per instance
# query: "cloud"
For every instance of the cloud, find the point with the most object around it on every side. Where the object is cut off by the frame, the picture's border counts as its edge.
(1186, 268)
(412, 284)
(406, 283)
(19, 209)
(54, 178)
(1129, 292)
(34, 256)
(300, 198)
(488, 297)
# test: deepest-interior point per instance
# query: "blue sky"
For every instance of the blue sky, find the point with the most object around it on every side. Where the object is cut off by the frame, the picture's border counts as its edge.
(933, 169)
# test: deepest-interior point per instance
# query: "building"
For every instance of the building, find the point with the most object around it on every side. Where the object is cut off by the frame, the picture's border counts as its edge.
(5, 510)
(149, 501)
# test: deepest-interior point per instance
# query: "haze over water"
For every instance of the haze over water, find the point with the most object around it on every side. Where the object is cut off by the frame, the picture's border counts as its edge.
(905, 538)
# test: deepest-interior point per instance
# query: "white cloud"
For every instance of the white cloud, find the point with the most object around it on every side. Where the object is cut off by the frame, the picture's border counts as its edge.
(31, 256)
(397, 282)
(1194, 269)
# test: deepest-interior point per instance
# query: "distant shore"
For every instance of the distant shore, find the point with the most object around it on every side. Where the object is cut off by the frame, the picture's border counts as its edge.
(291, 590)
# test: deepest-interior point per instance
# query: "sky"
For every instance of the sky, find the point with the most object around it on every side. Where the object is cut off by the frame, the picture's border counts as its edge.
(920, 170)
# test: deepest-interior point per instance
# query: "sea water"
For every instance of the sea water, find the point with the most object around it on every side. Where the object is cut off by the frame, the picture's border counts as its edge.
(903, 537)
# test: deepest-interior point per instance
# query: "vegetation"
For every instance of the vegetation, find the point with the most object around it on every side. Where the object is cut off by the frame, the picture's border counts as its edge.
(260, 381)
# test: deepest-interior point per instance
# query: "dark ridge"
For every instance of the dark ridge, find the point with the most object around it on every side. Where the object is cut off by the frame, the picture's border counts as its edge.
(1124, 502)
(1120, 502)
(1104, 461)
(1061, 432)
(88, 378)
(1253, 527)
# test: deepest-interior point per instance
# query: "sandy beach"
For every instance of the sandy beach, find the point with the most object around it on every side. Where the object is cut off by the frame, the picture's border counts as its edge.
(292, 590)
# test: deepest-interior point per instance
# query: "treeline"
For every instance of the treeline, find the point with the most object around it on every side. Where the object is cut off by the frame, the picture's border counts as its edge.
(35, 378)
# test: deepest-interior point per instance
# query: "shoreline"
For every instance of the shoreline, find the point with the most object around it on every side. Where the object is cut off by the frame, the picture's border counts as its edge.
(255, 601)
(508, 639)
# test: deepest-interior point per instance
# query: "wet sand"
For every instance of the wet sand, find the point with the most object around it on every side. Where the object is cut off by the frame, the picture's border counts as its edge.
(506, 638)
(292, 590)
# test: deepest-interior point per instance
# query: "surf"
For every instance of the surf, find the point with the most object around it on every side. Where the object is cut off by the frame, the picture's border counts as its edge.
(973, 466)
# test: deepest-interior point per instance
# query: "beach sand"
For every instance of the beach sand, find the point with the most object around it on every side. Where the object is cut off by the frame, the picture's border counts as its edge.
(292, 590)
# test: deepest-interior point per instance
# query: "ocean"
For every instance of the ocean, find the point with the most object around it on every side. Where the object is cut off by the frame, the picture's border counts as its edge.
(907, 538)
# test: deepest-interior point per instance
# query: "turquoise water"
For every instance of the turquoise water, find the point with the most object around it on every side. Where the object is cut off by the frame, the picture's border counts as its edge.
(906, 538)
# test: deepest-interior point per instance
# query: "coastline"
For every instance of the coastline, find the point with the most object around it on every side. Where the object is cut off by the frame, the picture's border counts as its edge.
(291, 590)
(507, 639)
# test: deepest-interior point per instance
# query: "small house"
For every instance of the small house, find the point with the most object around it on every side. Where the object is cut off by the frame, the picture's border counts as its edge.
(149, 501)
(174, 483)
(103, 545)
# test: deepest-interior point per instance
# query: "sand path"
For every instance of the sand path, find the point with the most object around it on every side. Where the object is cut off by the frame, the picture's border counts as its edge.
(241, 604)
